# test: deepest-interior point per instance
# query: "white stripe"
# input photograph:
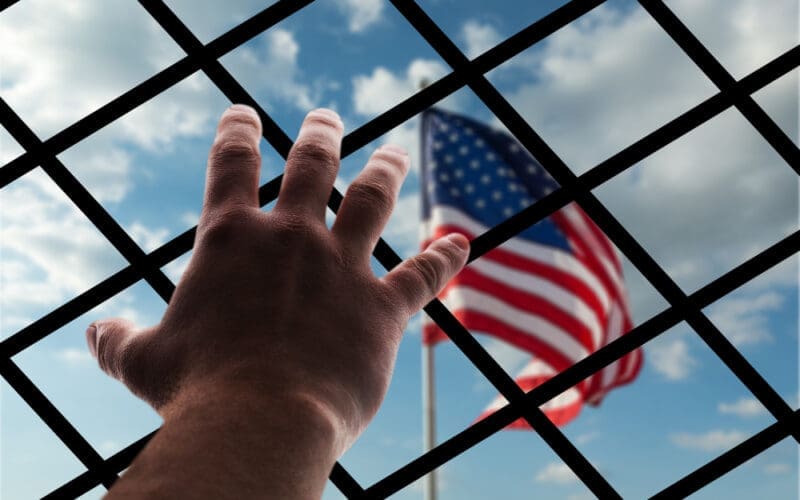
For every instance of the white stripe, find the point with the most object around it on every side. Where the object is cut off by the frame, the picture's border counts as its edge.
(443, 215)
(463, 297)
(529, 283)
(614, 331)
(595, 247)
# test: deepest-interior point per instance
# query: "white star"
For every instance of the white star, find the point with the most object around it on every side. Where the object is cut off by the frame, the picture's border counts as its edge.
(524, 202)
(508, 211)
(480, 203)
(458, 173)
(454, 192)
(512, 187)
(469, 131)
(437, 145)
(448, 159)
(501, 172)
(443, 127)
(496, 195)
(547, 190)
(453, 137)
(474, 164)
(432, 164)
(531, 168)
(479, 142)
(490, 156)
(469, 188)
(511, 172)
(444, 177)
(514, 148)
(463, 151)
(486, 179)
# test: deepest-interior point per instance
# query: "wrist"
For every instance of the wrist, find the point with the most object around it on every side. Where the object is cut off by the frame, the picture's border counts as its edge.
(268, 444)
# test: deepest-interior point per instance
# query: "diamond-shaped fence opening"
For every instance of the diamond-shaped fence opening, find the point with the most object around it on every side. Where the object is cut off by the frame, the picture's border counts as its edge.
(153, 265)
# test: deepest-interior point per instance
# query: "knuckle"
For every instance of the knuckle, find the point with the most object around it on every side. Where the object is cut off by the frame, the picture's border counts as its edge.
(371, 193)
(428, 269)
(234, 149)
(311, 152)
(220, 227)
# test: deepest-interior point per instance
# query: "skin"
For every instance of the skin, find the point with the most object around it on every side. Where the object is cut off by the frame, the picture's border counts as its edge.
(279, 343)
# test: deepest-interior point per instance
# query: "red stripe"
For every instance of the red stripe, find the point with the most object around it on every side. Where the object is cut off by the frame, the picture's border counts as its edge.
(480, 322)
(559, 415)
(529, 303)
(602, 239)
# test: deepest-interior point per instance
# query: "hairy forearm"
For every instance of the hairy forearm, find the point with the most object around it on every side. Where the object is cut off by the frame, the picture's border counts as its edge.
(235, 444)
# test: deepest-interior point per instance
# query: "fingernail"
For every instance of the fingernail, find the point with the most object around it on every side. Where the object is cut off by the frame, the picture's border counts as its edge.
(327, 112)
(394, 148)
(460, 240)
(243, 107)
(91, 339)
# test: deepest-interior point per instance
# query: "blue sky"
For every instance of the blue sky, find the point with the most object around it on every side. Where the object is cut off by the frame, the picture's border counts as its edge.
(701, 205)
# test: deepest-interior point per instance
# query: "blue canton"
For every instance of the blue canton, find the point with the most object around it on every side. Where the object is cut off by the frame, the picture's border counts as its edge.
(484, 173)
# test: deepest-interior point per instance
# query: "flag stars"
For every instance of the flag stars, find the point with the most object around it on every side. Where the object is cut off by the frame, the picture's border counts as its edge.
(448, 159)
(514, 148)
(444, 127)
(438, 145)
(479, 142)
(480, 203)
(497, 195)
(468, 131)
(454, 192)
(474, 164)
(486, 179)
(524, 203)
(454, 137)
(432, 164)
(490, 156)
(531, 168)
(444, 177)
(508, 211)
(469, 188)
(458, 173)
(463, 150)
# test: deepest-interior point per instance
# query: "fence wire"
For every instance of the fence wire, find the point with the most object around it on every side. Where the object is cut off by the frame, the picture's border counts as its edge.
(577, 188)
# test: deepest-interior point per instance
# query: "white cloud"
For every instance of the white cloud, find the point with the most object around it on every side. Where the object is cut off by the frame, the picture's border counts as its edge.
(275, 54)
(479, 37)
(149, 238)
(777, 468)
(671, 358)
(558, 473)
(42, 233)
(587, 437)
(604, 81)
(75, 357)
(361, 14)
(745, 320)
(744, 407)
(712, 441)
(375, 93)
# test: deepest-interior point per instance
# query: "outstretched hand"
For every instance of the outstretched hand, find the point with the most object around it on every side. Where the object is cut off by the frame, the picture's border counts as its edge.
(274, 305)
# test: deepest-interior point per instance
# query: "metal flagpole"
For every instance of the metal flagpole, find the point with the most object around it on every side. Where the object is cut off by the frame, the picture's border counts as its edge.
(428, 382)
(429, 414)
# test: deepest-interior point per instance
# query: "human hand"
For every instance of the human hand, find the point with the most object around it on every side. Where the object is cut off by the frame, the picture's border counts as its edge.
(275, 305)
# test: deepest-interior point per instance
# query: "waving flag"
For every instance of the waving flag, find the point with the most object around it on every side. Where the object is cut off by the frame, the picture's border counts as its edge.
(555, 290)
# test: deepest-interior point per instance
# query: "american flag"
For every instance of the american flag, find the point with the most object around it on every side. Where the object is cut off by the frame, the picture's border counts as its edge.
(555, 290)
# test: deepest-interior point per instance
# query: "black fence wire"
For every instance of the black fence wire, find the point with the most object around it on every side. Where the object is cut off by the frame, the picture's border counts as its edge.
(577, 188)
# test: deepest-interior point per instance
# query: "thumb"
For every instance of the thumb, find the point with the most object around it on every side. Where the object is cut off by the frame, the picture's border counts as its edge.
(108, 340)
(418, 280)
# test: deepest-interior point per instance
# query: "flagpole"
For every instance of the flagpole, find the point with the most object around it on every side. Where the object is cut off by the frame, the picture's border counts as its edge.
(428, 414)
(428, 381)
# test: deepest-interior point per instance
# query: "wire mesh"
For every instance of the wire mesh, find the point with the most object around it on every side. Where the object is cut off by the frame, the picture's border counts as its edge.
(578, 188)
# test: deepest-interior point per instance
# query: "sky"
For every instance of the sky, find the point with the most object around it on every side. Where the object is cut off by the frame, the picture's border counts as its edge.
(701, 205)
